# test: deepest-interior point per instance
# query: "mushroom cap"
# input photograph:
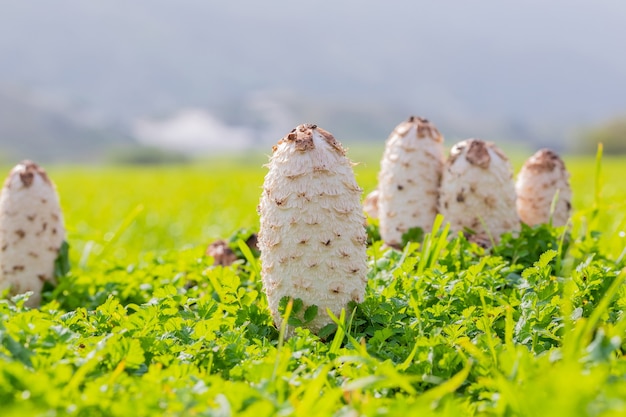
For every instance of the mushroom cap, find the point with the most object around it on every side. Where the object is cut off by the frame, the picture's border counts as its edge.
(31, 230)
(409, 178)
(542, 176)
(477, 190)
(312, 236)
(221, 253)
(370, 204)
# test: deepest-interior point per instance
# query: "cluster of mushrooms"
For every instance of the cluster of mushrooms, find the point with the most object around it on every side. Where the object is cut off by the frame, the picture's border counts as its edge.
(312, 237)
(473, 188)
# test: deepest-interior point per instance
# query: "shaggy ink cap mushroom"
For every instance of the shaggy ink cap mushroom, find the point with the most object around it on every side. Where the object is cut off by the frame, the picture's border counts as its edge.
(477, 194)
(543, 178)
(31, 230)
(312, 236)
(409, 178)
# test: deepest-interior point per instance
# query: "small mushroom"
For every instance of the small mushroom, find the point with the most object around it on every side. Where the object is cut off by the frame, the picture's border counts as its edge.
(370, 204)
(542, 178)
(221, 253)
(409, 178)
(477, 194)
(31, 231)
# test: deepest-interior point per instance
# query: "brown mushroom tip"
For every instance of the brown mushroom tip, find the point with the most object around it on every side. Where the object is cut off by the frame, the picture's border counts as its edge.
(302, 138)
(544, 160)
(424, 128)
(477, 152)
(418, 119)
(27, 170)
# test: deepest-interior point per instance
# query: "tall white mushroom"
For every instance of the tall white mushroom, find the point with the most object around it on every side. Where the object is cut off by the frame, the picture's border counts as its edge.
(543, 176)
(31, 230)
(312, 237)
(409, 177)
(478, 192)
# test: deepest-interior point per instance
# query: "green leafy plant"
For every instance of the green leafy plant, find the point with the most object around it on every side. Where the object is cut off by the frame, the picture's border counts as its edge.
(534, 326)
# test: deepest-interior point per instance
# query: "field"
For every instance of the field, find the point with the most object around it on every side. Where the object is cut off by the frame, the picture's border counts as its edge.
(144, 324)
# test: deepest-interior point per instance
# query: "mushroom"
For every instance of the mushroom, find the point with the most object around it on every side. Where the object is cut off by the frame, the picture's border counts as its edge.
(31, 231)
(409, 178)
(477, 194)
(312, 236)
(222, 252)
(370, 204)
(542, 178)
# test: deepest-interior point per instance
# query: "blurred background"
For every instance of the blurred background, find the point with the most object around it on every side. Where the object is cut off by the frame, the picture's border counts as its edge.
(162, 80)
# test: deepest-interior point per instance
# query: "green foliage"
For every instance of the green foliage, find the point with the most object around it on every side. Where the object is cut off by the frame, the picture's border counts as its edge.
(372, 229)
(118, 214)
(243, 244)
(295, 311)
(62, 262)
(526, 248)
(414, 234)
(533, 327)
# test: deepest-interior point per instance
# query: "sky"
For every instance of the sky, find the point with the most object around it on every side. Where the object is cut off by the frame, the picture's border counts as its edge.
(479, 67)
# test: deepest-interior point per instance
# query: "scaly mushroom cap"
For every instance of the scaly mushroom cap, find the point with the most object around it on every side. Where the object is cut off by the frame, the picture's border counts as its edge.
(477, 191)
(312, 236)
(542, 176)
(409, 177)
(31, 230)
(370, 204)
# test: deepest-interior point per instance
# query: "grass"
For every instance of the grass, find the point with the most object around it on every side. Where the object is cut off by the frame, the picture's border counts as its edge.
(144, 324)
(127, 211)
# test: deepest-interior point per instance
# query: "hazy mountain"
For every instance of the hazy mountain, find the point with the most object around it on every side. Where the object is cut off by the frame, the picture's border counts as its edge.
(528, 70)
(31, 128)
